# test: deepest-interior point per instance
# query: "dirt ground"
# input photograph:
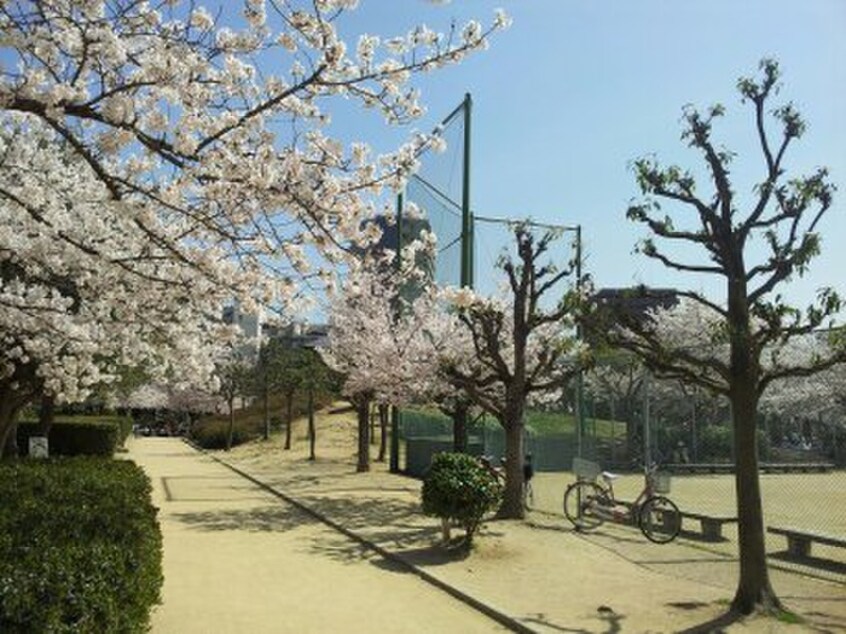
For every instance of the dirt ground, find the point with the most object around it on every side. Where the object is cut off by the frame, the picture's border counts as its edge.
(811, 501)
(238, 560)
(539, 572)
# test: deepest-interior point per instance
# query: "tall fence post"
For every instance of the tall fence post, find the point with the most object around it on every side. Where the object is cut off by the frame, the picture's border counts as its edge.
(393, 460)
(647, 444)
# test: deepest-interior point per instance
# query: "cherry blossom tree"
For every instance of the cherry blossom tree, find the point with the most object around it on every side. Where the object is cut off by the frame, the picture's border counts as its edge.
(746, 342)
(153, 163)
(382, 340)
(521, 349)
(186, 400)
(72, 317)
(820, 398)
(213, 156)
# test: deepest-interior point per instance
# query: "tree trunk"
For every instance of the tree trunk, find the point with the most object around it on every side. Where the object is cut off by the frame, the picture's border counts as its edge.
(10, 445)
(459, 428)
(289, 418)
(231, 431)
(694, 435)
(754, 589)
(266, 399)
(312, 432)
(633, 428)
(373, 413)
(46, 414)
(446, 533)
(363, 407)
(394, 466)
(383, 431)
(512, 499)
(11, 403)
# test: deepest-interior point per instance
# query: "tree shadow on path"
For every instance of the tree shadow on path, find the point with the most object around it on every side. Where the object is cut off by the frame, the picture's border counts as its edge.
(611, 619)
(715, 625)
(274, 518)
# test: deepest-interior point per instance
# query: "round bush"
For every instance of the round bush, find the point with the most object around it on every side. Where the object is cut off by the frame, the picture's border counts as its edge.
(457, 488)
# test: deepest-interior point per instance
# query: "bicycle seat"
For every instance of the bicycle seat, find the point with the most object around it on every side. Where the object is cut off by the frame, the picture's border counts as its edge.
(608, 476)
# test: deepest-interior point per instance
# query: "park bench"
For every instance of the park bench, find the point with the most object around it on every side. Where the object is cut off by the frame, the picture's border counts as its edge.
(711, 525)
(799, 540)
(794, 467)
(765, 467)
(699, 467)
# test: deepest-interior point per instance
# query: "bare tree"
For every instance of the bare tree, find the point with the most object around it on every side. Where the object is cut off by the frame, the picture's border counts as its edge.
(751, 333)
(521, 349)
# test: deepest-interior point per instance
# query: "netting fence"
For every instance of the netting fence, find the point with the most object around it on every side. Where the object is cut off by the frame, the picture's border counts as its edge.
(621, 417)
(629, 414)
(437, 190)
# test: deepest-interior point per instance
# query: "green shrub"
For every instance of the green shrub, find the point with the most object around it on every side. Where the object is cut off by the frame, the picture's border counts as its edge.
(80, 546)
(212, 434)
(124, 424)
(459, 489)
(715, 443)
(80, 437)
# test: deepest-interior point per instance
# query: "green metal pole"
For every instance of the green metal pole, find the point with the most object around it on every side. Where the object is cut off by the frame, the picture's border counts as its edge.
(580, 383)
(466, 220)
(394, 466)
(466, 214)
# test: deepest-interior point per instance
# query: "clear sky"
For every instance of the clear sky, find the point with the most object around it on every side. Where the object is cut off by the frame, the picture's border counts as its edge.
(576, 89)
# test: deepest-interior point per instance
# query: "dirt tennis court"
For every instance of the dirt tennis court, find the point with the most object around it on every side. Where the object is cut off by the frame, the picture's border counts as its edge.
(809, 501)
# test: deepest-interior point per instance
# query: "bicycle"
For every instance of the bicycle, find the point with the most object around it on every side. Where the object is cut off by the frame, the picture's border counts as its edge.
(587, 503)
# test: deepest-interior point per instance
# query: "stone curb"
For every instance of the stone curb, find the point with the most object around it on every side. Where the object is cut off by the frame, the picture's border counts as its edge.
(494, 613)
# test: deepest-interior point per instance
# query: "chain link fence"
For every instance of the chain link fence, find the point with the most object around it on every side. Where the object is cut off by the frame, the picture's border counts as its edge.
(628, 414)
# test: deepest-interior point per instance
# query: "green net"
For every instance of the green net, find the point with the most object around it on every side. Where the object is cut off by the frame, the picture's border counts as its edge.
(438, 191)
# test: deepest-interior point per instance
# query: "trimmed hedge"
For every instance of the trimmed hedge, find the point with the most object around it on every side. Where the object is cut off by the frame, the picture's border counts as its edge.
(80, 546)
(80, 437)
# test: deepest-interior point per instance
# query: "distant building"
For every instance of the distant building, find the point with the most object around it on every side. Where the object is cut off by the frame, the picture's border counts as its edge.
(298, 335)
(249, 324)
(411, 230)
(636, 301)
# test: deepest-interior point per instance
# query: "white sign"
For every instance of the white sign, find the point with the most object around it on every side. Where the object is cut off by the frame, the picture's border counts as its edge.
(38, 447)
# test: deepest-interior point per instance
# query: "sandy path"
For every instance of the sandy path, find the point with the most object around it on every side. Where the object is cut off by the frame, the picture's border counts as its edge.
(237, 559)
(542, 573)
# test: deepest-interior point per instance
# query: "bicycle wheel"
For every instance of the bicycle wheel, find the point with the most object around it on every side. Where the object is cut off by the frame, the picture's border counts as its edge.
(579, 501)
(528, 496)
(659, 519)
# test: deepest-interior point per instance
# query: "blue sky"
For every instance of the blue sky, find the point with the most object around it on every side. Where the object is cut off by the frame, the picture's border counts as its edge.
(576, 89)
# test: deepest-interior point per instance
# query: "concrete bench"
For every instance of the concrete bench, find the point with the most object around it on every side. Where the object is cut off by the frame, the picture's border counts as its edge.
(764, 467)
(799, 540)
(796, 467)
(711, 525)
(699, 467)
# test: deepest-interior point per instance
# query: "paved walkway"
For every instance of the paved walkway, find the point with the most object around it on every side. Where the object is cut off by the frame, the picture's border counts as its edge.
(239, 559)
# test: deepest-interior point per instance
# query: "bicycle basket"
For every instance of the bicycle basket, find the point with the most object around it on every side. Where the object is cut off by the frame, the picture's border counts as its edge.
(585, 469)
(662, 482)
